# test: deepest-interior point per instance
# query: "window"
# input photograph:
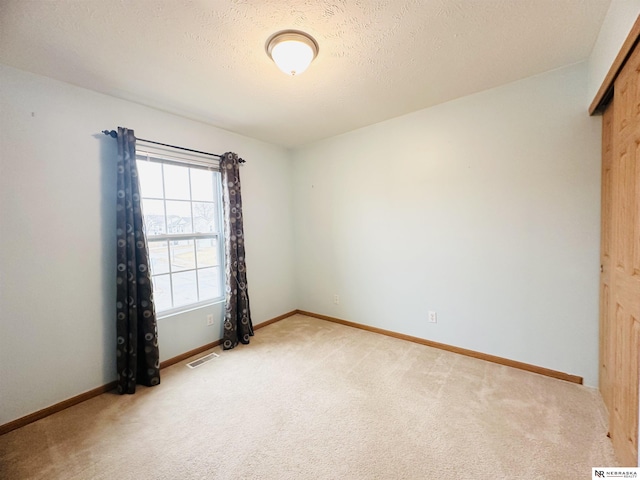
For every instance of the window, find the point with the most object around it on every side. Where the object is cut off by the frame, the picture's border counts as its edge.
(181, 209)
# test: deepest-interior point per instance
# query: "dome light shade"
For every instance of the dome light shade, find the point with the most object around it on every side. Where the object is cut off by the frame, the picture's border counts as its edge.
(292, 51)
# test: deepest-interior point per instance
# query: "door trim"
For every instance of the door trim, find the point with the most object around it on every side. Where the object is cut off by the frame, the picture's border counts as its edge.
(603, 97)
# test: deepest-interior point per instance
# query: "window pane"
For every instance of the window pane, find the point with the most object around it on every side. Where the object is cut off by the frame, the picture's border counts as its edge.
(207, 251)
(150, 175)
(161, 292)
(179, 217)
(184, 288)
(179, 201)
(201, 185)
(176, 182)
(153, 212)
(209, 279)
(182, 255)
(204, 217)
(159, 256)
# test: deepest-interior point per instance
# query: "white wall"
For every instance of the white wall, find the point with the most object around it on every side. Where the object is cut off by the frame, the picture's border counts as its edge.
(484, 209)
(621, 16)
(57, 236)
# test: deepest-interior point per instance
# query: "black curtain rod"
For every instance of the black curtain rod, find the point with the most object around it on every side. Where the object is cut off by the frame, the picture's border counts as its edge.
(114, 134)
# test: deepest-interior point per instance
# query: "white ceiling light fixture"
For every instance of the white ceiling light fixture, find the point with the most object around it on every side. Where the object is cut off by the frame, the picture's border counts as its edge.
(292, 50)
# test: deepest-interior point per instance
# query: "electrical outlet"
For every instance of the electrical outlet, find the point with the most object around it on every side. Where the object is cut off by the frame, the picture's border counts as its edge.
(433, 317)
(210, 319)
(336, 299)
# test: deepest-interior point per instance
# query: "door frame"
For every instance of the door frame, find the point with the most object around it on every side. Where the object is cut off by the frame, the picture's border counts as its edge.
(603, 98)
(605, 92)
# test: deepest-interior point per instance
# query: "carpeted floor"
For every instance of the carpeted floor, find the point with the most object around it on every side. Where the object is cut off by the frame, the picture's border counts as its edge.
(310, 399)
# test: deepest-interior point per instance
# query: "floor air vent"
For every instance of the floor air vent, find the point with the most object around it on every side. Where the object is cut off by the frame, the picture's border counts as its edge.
(202, 360)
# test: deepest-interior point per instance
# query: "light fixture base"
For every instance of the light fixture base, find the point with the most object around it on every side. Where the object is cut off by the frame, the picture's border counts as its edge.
(292, 50)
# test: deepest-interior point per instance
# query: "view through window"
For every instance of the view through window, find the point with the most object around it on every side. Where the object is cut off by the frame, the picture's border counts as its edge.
(182, 217)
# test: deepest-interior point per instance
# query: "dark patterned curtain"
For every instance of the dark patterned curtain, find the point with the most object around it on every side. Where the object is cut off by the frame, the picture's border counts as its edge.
(138, 360)
(237, 322)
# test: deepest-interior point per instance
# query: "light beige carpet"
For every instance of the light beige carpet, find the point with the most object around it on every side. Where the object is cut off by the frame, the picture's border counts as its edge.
(309, 399)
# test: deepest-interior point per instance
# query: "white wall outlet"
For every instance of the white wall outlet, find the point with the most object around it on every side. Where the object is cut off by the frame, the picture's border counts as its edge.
(336, 299)
(433, 317)
(210, 319)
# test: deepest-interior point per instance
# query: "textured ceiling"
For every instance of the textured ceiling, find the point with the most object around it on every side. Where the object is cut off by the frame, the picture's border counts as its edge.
(378, 59)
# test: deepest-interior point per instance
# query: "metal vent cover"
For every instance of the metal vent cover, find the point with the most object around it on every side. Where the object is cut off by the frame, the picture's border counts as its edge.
(202, 360)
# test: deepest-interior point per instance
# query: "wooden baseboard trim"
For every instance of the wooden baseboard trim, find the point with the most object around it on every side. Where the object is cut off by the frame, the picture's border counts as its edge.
(45, 412)
(276, 319)
(58, 407)
(183, 356)
(204, 348)
(450, 348)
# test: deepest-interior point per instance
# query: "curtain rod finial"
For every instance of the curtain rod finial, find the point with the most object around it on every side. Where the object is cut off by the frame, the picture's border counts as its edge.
(112, 133)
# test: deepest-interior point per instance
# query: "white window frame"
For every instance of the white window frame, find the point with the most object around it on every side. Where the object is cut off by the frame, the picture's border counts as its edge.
(155, 154)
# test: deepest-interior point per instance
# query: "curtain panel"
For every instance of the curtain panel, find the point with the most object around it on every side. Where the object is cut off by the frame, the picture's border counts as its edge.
(237, 324)
(137, 354)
